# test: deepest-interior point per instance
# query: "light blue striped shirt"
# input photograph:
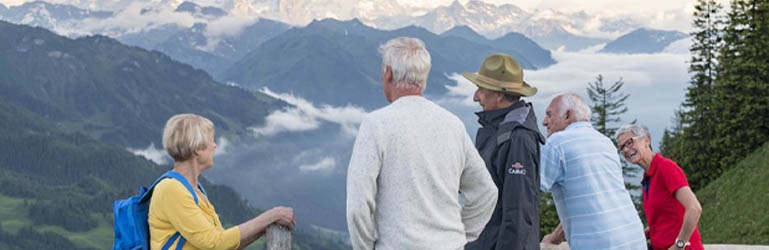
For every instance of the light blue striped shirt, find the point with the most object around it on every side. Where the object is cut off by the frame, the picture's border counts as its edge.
(582, 169)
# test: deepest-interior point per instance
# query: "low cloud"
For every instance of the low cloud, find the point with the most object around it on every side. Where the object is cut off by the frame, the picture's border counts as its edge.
(138, 17)
(656, 84)
(157, 155)
(304, 116)
(324, 165)
(222, 28)
(222, 146)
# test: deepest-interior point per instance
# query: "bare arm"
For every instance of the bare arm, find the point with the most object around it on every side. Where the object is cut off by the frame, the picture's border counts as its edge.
(556, 237)
(687, 198)
(256, 227)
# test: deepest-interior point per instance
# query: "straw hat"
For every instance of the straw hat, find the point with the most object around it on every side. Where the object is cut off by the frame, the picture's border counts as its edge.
(500, 72)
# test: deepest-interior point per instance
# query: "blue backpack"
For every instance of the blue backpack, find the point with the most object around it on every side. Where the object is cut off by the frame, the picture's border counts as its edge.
(131, 227)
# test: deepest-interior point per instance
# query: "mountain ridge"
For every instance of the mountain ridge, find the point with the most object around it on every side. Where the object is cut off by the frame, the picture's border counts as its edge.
(331, 54)
(71, 107)
(643, 41)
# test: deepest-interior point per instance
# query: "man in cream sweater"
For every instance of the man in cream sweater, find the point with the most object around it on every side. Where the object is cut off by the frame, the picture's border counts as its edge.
(410, 161)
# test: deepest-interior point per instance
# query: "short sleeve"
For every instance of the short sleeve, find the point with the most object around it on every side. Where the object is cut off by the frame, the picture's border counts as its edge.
(673, 176)
(551, 169)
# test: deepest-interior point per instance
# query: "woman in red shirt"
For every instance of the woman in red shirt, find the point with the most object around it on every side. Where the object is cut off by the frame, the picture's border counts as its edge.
(672, 210)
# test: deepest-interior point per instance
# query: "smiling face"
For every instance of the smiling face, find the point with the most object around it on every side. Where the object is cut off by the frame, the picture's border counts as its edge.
(635, 149)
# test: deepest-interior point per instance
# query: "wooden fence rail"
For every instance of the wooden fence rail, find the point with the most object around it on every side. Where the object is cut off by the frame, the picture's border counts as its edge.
(278, 237)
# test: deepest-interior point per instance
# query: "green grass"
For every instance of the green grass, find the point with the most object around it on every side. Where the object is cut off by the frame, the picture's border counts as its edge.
(736, 205)
(100, 237)
(13, 214)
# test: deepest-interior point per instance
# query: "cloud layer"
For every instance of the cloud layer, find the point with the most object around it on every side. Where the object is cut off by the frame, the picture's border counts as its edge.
(304, 116)
(656, 83)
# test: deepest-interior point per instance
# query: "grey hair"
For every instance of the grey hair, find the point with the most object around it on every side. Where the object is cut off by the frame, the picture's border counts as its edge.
(579, 108)
(512, 97)
(409, 61)
(636, 129)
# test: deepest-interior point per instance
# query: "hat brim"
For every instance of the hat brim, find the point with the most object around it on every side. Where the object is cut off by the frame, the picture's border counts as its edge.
(525, 90)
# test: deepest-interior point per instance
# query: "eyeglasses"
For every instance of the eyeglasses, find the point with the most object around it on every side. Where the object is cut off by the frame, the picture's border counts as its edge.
(629, 143)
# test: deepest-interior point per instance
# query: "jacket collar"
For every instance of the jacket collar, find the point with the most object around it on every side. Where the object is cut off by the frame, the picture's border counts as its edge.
(520, 112)
(492, 118)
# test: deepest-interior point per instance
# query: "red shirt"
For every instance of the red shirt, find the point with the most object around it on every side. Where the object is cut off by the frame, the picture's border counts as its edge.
(664, 212)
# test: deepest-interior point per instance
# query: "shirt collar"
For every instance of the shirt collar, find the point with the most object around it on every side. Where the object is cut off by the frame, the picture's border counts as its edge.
(576, 125)
(656, 161)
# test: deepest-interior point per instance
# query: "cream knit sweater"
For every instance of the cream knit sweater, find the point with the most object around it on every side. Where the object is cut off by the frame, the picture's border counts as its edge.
(410, 161)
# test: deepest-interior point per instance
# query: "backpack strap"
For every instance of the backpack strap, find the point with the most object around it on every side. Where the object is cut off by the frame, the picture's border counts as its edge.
(179, 177)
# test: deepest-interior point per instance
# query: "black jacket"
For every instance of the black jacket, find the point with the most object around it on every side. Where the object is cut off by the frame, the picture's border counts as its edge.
(509, 142)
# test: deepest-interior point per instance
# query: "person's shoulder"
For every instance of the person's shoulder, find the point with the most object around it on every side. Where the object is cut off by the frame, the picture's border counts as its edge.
(168, 186)
(667, 163)
(558, 138)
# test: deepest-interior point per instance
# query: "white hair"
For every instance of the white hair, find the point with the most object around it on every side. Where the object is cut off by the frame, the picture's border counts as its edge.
(636, 129)
(409, 61)
(579, 108)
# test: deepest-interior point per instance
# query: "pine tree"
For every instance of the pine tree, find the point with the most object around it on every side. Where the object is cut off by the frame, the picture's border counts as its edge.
(608, 103)
(741, 89)
(690, 143)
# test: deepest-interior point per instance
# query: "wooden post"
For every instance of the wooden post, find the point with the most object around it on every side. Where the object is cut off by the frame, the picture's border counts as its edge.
(278, 237)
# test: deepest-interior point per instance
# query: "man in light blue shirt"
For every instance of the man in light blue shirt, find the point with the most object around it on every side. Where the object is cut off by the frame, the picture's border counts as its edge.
(581, 167)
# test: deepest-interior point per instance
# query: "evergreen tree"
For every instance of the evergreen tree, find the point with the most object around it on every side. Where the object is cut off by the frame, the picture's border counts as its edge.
(608, 103)
(741, 89)
(672, 138)
(690, 143)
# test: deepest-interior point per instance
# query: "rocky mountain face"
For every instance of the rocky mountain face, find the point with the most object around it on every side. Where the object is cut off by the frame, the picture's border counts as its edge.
(551, 29)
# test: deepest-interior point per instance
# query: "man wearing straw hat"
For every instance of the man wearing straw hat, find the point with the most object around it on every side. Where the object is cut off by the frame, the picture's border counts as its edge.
(509, 142)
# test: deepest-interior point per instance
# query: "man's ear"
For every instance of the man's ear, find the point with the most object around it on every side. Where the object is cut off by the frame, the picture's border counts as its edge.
(567, 115)
(388, 74)
(500, 96)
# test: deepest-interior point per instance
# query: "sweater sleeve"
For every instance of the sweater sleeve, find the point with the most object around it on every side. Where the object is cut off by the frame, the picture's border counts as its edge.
(479, 192)
(362, 174)
(176, 204)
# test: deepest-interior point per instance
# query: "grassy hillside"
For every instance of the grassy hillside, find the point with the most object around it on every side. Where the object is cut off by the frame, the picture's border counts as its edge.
(735, 205)
(68, 109)
(57, 188)
(112, 92)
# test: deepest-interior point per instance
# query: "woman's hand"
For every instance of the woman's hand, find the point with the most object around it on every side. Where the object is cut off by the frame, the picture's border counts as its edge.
(283, 216)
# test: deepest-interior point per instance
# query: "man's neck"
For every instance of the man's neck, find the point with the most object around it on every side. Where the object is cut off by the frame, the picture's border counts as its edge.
(398, 93)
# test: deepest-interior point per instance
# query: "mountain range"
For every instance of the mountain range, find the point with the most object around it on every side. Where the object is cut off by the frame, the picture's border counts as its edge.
(551, 29)
(643, 41)
(71, 107)
(329, 56)
(178, 54)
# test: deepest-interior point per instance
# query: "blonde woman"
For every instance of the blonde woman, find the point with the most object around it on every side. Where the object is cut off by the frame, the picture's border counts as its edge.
(180, 220)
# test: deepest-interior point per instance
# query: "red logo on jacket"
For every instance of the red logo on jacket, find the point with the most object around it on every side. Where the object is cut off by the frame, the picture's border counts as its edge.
(516, 168)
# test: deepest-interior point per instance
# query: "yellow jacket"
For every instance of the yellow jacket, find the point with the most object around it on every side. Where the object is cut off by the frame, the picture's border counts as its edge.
(173, 209)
